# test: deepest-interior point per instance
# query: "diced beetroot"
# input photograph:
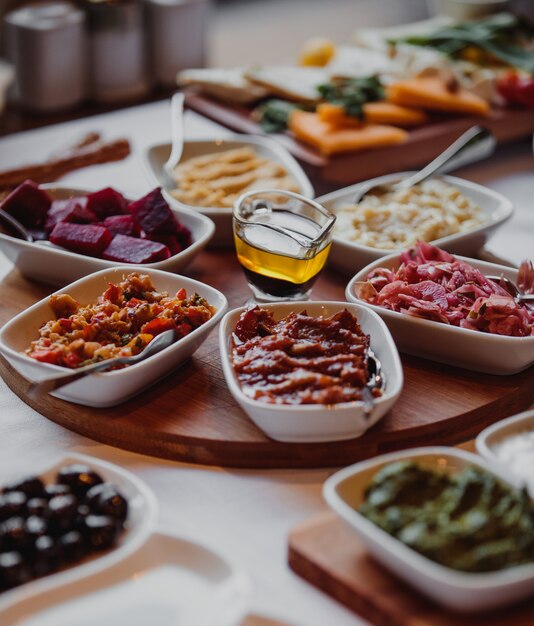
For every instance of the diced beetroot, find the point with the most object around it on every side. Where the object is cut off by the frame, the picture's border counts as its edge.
(183, 234)
(107, 202)
(126, 249)
(88, 239)
(167, 240)
(73, 210)
(28, 204)
(122, 225)
(153, 213)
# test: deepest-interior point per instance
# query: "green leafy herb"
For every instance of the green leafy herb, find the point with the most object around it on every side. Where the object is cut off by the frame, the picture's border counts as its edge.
(273, 115)
(505, 36)
(352, 93)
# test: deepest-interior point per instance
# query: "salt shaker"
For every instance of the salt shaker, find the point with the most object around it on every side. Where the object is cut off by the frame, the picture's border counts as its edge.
(117, 52)
(45, 41)
(177, 33)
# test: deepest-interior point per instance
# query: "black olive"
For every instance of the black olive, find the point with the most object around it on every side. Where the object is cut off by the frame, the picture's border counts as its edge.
(105, 499)
(36, 527)
(38, 506)
(63, 511)
(12, 503)
(100, 531)
(14, 534)
(80, 478)
(47, 555)
(32, 486)
(57, 490)
(73, 546)
(13, 570)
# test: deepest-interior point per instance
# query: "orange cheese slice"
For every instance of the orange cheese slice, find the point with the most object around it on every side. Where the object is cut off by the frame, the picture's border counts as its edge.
(389, 113)
(433, 93)
(374, 113)
(331, 139)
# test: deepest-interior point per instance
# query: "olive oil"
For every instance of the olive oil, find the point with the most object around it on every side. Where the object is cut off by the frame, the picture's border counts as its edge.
(276, 264)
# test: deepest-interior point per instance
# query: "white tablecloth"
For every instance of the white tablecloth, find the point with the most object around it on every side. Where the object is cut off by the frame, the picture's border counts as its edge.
(246, 514)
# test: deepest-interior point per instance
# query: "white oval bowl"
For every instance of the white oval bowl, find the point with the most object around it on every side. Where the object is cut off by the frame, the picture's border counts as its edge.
(195, 585)
(462, 347)
(155, 157)
(54, 265)
(317, 422)
(349, 256)
(498, 432)
(142, 514)
(108, 388)
(460, 591)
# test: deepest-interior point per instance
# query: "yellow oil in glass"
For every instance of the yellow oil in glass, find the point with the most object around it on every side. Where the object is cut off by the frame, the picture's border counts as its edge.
(276, 264)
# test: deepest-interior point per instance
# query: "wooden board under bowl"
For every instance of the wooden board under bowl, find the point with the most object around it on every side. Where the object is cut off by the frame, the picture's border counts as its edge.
(329, 555)
(424, 143)
(191, 415)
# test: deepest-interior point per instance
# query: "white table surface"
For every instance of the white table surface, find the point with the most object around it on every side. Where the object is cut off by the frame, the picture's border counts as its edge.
(246, 514)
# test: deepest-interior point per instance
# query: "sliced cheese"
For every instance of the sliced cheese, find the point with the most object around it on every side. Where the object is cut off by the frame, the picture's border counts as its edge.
(291, 83)
(389, 113)
(374, 113)
(229, 85)
(330, 139)
(433, 93)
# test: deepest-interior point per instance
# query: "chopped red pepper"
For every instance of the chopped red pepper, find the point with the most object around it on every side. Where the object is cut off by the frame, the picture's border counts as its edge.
(158, 325)
(181, 294)
(183, 329)
(133, 302)
(112, 293)
(72, 360)
(90, 331)
(48, 356)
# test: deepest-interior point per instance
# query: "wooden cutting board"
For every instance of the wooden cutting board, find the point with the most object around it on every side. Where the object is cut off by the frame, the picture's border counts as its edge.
(424, 143)
(330, 556)
(191, 416)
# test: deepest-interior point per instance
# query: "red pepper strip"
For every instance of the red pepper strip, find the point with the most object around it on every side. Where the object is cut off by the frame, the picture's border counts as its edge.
(48, 356)
(158, 325)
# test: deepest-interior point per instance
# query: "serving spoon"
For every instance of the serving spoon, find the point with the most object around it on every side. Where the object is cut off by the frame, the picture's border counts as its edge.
(475, 144)
(177, 134)
(376, 380)
(50, 383)
(513, 289)
(13, 224)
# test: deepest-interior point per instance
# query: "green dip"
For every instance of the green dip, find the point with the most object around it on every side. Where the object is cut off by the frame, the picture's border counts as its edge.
(469, 521)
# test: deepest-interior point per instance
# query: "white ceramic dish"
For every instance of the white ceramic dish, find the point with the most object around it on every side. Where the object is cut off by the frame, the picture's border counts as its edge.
(107, 388)
(143, 509)
(54, 265)
(155, 157)
(170, 581)
(482, 352)
(348, 256)
(460, 591)
(497, 433)
(314, 423)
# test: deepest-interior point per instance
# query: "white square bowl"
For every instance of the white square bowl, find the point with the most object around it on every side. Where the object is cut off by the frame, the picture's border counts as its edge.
(461, 347)
(349, 256)
(45, 262)
(108, 388)
(459, 591)
(155, 157)
(317, 422)
(495, 434)
(142, 515)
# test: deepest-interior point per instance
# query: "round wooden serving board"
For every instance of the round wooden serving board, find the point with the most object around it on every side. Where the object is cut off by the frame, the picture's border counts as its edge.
(191, 416)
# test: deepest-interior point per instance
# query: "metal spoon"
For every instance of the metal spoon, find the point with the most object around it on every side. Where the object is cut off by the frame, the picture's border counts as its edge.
(475, 144)
(376, 380)
(13, 224)
(512, 289)
(177, 134)
(56, 381)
